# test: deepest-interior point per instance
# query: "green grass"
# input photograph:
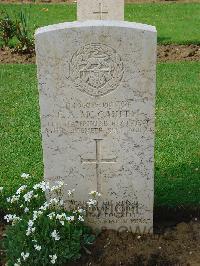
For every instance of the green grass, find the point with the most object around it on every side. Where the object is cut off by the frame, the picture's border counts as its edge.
(19, 125)
(176, 23)
(177, 153)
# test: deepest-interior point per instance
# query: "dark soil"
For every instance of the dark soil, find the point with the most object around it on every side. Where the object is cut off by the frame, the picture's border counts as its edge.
(176, 245)
(8, 56)
(2, 230)
(178, 53)
(165, 53)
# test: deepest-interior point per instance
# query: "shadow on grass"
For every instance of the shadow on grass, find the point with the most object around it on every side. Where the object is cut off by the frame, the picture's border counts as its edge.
(168, 40)
(163, 40)
(178, 186)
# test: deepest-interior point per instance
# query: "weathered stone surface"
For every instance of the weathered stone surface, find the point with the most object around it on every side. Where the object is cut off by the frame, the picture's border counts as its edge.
(97, 101)
(100, 10)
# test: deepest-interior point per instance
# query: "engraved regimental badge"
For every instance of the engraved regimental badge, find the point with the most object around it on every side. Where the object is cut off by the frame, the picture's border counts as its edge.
(96, 69)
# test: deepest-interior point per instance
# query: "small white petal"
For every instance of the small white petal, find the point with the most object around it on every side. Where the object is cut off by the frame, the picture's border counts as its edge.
(24, 175)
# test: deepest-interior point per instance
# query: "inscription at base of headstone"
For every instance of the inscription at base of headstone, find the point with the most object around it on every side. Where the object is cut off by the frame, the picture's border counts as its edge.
(100, 10)
(97, 101)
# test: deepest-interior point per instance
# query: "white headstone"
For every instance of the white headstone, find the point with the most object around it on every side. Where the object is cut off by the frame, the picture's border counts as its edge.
(97, 101)
(100, 10)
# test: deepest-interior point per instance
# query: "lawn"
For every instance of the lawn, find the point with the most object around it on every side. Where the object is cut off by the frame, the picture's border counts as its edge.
(176, 23)
(177, 150)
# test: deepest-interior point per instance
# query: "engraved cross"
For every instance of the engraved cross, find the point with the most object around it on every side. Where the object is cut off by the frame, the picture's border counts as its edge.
(98, 161)
(100, 12)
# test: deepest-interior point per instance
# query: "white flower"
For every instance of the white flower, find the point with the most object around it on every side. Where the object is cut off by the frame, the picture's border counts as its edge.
(11, 218)
(70, 192)
(30, 230)
(36, 214)
(54, 188)
(25, 255)
(92, 192)
(70, 218)
(21, 189)
(1, 189)
(37, 247)
(91, 202)
(42, 185)
(8, 199)
(28, 196)
(95, 193)
(18, 262)
(24, 175)
(53, 258)
(54, 201)
(80, 218)
(60, 183)
(13, 199)
(51, 215)
(55, 235)
(26, 210)
(61, 217)
(30, 223)
(36, 186)
(80, 210)
(8, 217)
(45, 206)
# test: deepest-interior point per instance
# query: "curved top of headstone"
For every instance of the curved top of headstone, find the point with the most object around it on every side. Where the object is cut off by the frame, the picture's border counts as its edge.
(95, 23)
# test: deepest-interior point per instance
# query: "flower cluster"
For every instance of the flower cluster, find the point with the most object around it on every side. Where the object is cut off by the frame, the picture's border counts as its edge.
(55, 235)
(12, 218)
(30, 229)
(95, 193)
(51, 215)
(42, 185)
(14, 198)
(91, 202)
(24, 257)
(53, 258)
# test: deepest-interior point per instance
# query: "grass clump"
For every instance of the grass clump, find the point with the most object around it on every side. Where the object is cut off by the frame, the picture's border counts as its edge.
(15, 31)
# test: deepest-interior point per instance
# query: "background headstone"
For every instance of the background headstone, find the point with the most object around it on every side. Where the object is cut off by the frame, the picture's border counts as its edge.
(97, 101)
(100, 10)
